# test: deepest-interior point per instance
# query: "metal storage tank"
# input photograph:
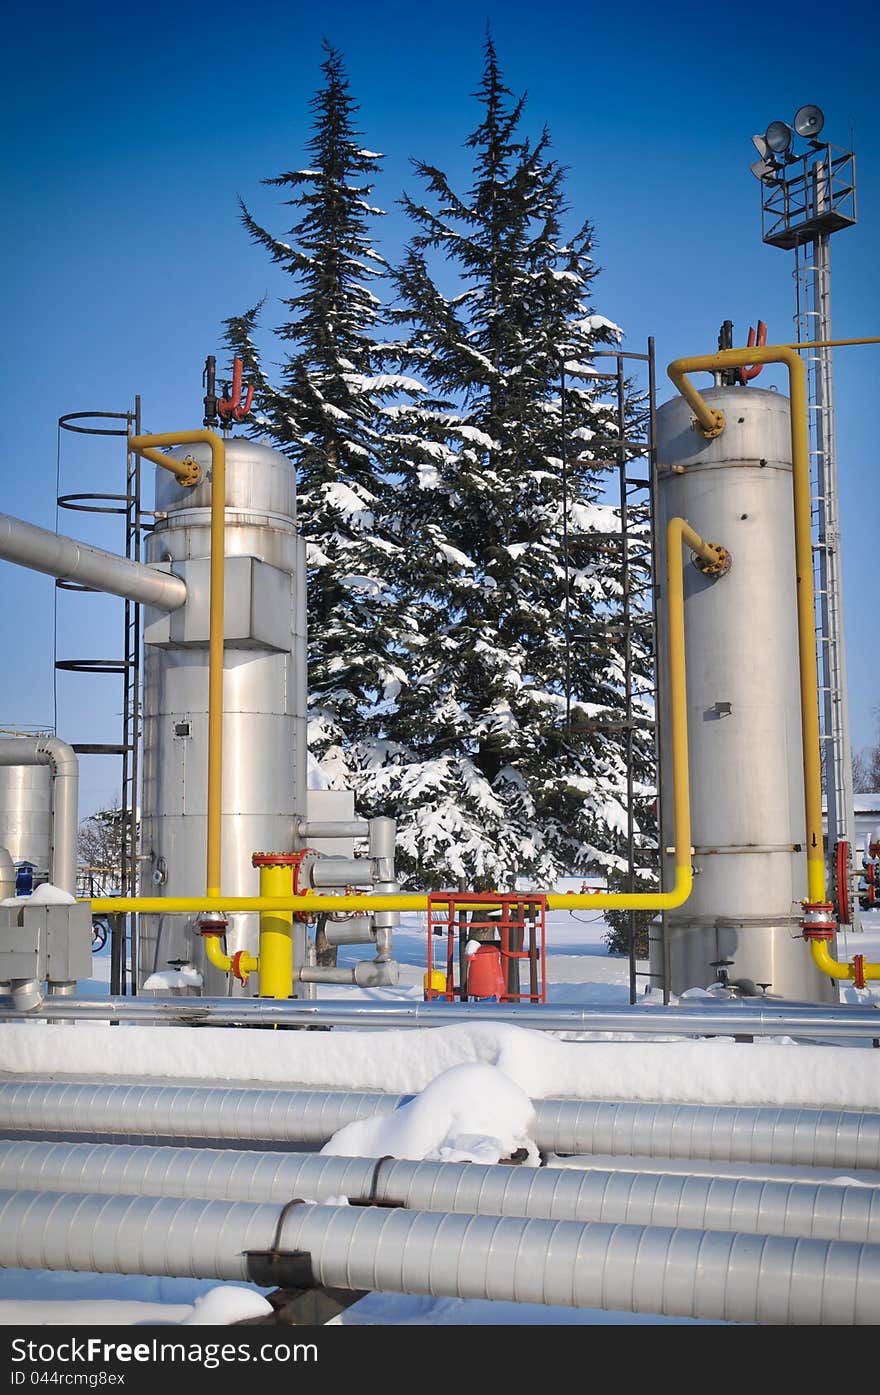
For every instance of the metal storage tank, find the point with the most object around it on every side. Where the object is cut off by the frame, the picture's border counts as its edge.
(743, 700)
(264, 698)
(26, 813)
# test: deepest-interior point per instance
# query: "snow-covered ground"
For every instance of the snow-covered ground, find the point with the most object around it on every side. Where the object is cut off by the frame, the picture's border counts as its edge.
(453, 1115)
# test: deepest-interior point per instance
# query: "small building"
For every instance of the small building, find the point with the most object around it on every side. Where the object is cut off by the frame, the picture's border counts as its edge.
(866, 808)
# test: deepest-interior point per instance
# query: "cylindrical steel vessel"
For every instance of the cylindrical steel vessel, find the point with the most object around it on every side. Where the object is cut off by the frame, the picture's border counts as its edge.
(264, 697)
(743, 701)
(26, 813)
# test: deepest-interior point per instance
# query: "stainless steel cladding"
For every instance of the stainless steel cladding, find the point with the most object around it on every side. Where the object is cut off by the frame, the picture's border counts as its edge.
(26, 813)
(743, 702)
(264, 697)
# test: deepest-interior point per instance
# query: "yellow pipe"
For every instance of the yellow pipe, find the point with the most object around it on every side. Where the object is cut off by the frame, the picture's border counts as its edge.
(276, 934)
(806, 611)
(830, 343)
(215, 954)
(310, 902)
(242, 964)
(678, 533)
(145, 445)
(823, 960)
(188, 472)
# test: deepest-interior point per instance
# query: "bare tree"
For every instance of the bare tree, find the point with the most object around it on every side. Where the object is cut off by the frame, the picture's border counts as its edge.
(99, 846)
(866, 765)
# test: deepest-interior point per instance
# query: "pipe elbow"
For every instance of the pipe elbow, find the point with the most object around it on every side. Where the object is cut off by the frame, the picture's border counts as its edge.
(59, 755)
(681, 890)
(215, 954)
(825, 962)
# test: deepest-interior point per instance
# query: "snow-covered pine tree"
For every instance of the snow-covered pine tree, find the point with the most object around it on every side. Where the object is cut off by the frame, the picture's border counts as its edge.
(484, 773)
(322, 413)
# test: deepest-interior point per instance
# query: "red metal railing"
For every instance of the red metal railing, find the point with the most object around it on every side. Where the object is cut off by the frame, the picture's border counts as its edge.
(515, 923)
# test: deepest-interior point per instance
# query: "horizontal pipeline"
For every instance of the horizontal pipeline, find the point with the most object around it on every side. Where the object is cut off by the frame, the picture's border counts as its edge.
(91, 567)
(745, 1017)
(315, 902)
(726, 1133)
(714, 1275)
(822, 1211)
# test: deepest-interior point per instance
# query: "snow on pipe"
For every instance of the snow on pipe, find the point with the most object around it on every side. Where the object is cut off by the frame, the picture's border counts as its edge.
(92, 567)
(734, 1019)
(824, 1211)
(648, 1269)
(51, 751)
(727, 1133)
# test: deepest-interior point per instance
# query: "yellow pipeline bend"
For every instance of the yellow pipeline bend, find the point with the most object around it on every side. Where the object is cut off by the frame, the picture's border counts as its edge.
(247, 964)
(147, 445)
(823, 960)
(215, 954)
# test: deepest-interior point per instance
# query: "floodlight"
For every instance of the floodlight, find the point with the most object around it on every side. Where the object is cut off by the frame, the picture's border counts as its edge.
(761, 146)
(778, 136)
(809, 121)
(762, 169)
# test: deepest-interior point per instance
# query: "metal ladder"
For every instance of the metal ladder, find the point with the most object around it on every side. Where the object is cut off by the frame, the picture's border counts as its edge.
(628, 453)
(128, 667)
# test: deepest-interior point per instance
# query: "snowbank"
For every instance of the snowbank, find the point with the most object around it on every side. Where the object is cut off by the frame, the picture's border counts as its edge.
(714, 1071)
(470, 1113)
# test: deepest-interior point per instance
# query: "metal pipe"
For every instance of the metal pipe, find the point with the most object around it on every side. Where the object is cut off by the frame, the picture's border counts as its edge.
(679, 534)
(824, 960)
(146, 445)
(334, 828)
(712, 424)
(366, 973)
(92, 567)
(280, 1116)
(353, 930)
(7, 874)
(726, 1133)
(821, 1211)
(385, 901)
(342, 871)
(741, 1017)
(62, 759)
(688, 1273)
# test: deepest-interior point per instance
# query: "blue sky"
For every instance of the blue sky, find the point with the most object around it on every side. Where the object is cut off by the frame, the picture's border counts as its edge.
(129, 134)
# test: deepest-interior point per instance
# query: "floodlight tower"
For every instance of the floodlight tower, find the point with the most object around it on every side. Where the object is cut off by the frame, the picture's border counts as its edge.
(808, 191)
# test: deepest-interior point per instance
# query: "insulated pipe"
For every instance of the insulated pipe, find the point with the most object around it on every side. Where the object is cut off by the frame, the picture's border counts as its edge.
(686, 1273)
(308, 829)
(62, 759)
(366, 973)
(725, 1133)
(69, 560)
(820, 1211)
(147, 446)
(740, 1018)
(388, 901)
(341, 871)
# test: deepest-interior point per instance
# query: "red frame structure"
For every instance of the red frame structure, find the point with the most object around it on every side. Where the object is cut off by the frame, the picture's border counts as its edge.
(521, 929)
